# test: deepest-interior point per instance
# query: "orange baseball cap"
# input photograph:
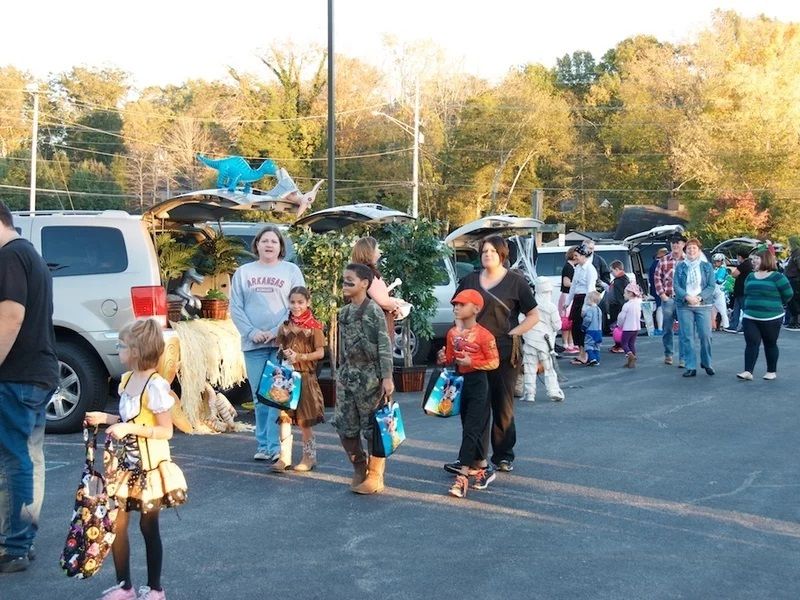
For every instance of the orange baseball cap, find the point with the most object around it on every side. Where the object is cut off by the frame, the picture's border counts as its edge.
(468, 297)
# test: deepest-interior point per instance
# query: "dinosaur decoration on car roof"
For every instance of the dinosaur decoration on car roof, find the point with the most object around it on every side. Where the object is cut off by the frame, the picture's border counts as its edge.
(235, 170)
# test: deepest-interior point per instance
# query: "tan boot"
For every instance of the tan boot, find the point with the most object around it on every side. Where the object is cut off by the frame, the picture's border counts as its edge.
(309, 456)
(374, 481)
(355, 452)
(285, 461)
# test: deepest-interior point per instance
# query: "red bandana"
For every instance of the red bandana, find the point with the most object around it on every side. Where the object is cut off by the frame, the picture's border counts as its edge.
(306, 320)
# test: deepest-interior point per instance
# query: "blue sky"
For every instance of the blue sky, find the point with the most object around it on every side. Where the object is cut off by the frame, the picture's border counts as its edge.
(167, 42)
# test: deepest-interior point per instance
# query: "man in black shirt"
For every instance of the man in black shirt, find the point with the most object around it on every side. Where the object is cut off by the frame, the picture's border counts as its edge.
(28, 378)
(742, 270)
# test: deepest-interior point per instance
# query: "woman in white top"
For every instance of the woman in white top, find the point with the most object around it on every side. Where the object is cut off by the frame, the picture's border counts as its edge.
(583, 282)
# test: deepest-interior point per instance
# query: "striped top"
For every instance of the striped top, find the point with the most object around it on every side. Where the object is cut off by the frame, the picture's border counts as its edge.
(764, 299)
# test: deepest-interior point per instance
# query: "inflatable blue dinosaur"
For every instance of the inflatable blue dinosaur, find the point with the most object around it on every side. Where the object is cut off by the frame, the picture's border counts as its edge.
(234, 169)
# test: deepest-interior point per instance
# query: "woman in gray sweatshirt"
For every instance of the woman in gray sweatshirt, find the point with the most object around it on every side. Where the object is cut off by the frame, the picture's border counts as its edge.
(259, 304)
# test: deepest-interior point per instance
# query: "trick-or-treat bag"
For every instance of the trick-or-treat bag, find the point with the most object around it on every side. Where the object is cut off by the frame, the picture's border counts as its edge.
(91, 531)
(444, 399)
(388, 431)
(279, 386)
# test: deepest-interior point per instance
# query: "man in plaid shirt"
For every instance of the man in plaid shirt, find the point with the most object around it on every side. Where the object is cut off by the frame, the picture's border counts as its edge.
(663, 281)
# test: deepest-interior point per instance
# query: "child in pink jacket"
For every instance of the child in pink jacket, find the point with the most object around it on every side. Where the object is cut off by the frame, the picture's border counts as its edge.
(629, 321)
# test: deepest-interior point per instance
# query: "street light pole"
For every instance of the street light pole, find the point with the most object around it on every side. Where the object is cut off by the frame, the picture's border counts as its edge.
(415, 167)
(418, 140)
(331, 112)
(34, 144)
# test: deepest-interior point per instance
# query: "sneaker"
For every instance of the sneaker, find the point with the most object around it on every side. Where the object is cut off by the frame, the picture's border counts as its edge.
(454, 467)
(770, 376)
(506, 466)
(667, 360)
(460, 486)
(745, 375)
(275, 457)
(593, 363)
(557, 398)
(145, 593)
(261, 455)
(118, 593)
(484, 477)
(658, 332)
(528, 399)
(681, 365)
(13, 564)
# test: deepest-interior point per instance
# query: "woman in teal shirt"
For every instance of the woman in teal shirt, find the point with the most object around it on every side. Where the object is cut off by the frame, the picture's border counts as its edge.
(766, 292)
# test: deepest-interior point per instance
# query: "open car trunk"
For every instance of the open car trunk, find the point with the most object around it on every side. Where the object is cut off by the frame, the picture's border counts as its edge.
(518, 231)
(340, 217)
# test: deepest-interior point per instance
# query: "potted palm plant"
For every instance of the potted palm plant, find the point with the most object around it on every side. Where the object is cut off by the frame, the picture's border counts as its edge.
(174, 259)
(413, 252)
(217, 257)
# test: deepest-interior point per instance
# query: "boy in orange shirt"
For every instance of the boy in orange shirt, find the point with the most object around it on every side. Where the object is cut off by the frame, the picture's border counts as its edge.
(474, 351)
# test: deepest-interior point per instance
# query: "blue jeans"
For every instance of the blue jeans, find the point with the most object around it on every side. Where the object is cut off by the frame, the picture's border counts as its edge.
(267, 428)
(669, 314)
(22, 422)
(736, 314)
(695, 320)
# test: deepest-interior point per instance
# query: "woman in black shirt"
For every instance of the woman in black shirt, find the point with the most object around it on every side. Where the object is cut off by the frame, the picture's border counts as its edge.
(506, 295)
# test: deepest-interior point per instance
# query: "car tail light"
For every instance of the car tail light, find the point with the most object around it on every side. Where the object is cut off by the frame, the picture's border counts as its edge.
(150, 301)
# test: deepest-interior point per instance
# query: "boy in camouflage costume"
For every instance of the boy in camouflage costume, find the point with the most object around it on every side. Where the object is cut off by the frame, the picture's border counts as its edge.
(365, 376)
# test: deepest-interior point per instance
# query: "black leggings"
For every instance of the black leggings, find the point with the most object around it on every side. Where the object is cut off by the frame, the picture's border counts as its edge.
(502, 381)
(578, 335)
(756, 332)
(148, 523)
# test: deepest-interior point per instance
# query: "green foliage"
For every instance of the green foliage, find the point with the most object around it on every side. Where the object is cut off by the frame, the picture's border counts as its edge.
(323, 257)
(174, 258)
(215, 294)
(218, 254)
(413, 252)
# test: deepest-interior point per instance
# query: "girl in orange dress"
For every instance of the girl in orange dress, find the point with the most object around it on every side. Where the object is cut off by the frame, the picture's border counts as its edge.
(303, 344)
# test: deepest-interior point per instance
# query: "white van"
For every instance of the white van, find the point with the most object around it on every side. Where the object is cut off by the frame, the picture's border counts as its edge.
(105, 274)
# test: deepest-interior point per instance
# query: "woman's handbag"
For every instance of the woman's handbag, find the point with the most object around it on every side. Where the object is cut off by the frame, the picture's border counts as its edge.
(616, 334)
(388, 431)
(91, 532)
(566, 323)
(444, 400)
(279, 387)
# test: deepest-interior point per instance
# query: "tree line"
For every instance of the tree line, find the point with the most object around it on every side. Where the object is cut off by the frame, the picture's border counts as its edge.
(710, 126)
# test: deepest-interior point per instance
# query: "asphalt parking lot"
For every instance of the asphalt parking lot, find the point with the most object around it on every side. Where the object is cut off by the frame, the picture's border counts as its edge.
(643, 484)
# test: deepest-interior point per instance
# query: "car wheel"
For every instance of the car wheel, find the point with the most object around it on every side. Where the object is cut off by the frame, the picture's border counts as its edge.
(420, 349)
(83, 386)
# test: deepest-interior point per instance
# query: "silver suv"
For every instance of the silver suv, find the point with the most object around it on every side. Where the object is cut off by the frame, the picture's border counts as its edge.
(105, 274)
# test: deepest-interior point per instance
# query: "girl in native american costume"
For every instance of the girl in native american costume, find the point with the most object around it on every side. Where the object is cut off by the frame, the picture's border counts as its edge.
(302, 342)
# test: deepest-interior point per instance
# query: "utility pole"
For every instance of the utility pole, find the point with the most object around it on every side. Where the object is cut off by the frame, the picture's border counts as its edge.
(34, 144)
(415, 167)
(331, 112)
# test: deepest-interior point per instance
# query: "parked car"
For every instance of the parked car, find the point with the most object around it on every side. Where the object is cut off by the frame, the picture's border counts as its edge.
(730, 248)
(105, 274)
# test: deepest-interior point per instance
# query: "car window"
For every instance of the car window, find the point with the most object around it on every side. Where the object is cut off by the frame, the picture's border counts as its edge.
(550, 264)
(441, 271)
(611, 255)
(100, 250)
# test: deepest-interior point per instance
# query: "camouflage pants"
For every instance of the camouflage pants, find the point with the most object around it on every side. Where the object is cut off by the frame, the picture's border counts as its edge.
(357, 394)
